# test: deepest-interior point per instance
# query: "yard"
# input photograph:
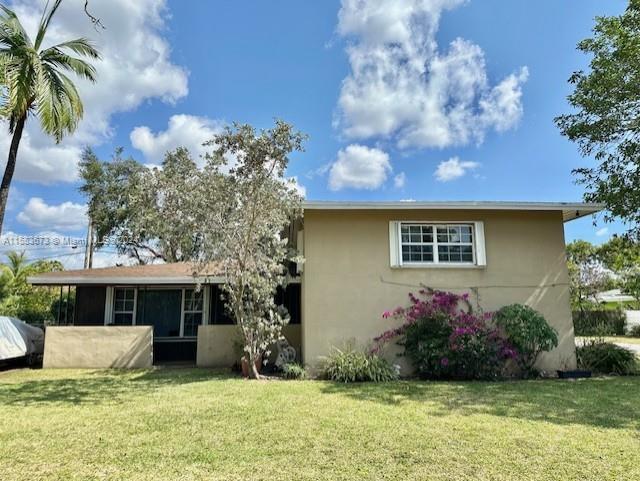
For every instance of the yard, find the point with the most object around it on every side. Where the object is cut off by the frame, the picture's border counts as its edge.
(184, 424)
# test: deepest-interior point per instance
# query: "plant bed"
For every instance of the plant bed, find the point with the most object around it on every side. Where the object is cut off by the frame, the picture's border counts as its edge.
(574, 374)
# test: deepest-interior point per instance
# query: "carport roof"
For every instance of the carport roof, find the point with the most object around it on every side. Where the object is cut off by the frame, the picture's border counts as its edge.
(173, 273)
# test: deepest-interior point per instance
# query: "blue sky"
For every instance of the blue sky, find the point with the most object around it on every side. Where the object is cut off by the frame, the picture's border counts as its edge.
(174, 72)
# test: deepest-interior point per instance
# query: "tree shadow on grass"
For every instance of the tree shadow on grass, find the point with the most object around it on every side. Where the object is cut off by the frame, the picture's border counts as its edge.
(101, 386)
(600, 402)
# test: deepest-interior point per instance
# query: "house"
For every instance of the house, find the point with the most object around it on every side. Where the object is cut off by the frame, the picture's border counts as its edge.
(361, 258)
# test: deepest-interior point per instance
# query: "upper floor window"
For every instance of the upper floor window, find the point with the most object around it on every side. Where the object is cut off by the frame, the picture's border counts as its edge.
(424, 243)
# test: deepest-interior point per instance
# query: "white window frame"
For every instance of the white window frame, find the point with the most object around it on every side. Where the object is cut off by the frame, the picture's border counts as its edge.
(109, 310)
(112, 302)
(184, 309)
(478, 245)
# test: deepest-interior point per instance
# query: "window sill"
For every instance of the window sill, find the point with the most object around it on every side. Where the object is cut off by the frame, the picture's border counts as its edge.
(438, 266)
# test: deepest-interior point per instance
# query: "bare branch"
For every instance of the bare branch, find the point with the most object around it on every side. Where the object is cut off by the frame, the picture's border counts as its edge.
(94, 20)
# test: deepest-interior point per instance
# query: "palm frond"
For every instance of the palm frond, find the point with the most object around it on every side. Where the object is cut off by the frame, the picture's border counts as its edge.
(12, 33)
(81, 46)
(58, 102)
(44, 23)
(58, 58)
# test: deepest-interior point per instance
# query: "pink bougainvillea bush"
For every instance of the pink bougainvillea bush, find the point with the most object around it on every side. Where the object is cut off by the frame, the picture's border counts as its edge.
(445, 339)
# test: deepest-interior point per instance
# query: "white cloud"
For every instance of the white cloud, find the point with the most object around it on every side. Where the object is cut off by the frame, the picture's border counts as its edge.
(602, 232)
(135, 67)
(399, 180)
(182, 131)
(402, 85)
(359, 167)
(454, 168)
(67, 216)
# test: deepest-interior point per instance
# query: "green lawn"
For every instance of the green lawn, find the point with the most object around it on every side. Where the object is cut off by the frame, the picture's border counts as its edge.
(187, 424)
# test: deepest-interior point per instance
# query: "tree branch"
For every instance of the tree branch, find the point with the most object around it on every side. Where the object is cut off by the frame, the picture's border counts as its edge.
(94, 20)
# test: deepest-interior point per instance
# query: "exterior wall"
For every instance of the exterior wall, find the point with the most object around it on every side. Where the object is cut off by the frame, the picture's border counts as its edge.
(348, 282)
(98, 347)
(216, 344)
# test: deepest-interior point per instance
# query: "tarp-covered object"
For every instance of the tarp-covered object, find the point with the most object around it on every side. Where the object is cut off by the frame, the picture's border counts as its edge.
(19, 339)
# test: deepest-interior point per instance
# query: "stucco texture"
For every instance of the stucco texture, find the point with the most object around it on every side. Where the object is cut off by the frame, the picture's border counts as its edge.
(348, 281)
(216, 344)
(98, 347)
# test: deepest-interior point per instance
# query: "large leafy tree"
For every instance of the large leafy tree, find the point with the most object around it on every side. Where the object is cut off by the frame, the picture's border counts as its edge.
(605, 122)
(243, 218)
(146, 213)
(34, 82)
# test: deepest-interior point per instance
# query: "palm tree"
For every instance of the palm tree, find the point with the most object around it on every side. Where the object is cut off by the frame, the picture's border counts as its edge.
(32, 82)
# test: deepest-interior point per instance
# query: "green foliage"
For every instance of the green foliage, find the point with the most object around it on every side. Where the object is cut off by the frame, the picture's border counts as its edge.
(242, 215)
(608, 322)
(606, 103)
(634, 331)
(605, 358)
(352, 365)
(34, 82)
(528, 332)
(34, 77)
(130, 205)
(294, 370)
(586, 274)
(32, 304)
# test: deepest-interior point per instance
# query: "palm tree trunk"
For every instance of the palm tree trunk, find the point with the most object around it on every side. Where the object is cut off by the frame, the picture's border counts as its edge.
(10, 168)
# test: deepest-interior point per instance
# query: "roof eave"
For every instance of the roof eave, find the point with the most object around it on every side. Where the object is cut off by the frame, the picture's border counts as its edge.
(570, 210)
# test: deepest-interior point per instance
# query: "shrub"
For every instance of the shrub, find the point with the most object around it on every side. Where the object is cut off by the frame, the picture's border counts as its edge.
(294, 370)
(528, 331)
(606, 358)
(602, 322)
(351, 365)
(444, 339)
(634, 331)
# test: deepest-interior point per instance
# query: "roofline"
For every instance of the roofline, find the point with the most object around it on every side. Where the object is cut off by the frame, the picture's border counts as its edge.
(44, 280)
(570, 210)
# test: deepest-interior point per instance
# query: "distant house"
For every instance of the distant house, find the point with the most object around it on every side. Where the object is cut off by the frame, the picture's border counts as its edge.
(362, 258)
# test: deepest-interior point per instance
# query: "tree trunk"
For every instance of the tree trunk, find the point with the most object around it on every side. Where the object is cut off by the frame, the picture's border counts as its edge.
(10, 168)
(253, 369)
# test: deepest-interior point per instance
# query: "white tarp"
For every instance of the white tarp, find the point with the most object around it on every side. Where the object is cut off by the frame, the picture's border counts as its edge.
(18, 339)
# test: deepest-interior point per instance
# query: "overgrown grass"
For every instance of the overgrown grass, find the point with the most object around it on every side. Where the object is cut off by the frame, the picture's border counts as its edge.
(187, 424)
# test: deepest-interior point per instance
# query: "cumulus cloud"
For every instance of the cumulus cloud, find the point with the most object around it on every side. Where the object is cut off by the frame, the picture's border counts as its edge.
(359, 167)
(135, 67)
(182, 131)
(399, 180)
(67, 216)
(602, 232)
(454, 168)
(403, 86)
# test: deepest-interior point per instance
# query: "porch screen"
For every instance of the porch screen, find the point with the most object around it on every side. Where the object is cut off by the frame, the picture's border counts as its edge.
(160, 308)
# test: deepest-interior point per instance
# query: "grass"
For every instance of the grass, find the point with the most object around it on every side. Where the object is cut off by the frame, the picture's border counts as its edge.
(188, 424)
(615, 339)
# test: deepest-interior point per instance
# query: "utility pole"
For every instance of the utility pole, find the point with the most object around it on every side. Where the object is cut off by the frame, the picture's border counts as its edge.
(88, 248)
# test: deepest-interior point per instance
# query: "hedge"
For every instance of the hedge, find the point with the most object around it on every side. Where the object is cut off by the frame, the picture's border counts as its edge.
(599, 322)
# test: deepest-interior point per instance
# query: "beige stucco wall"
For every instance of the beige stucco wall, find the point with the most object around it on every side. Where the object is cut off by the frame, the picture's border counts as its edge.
(98, 347)
(216, 344)
(348, 281)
